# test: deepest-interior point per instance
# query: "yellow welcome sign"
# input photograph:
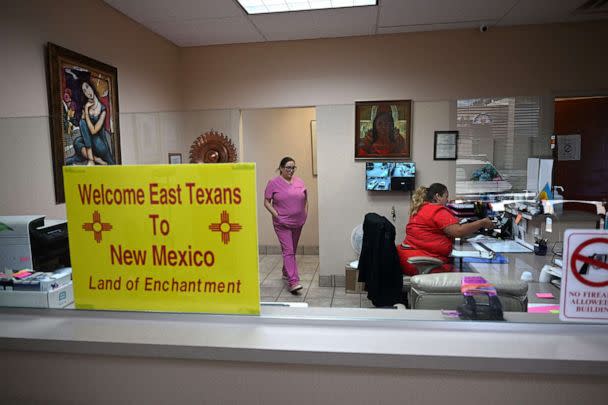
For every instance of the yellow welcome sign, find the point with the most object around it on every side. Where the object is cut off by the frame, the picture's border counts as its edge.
(178, 238)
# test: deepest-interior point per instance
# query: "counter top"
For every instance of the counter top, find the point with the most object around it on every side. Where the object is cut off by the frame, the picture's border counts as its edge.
(324, 336)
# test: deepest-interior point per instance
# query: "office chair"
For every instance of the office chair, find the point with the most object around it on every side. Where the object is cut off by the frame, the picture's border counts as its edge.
(424, 265)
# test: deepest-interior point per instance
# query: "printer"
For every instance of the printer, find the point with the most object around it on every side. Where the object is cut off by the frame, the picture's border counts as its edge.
(30, 242)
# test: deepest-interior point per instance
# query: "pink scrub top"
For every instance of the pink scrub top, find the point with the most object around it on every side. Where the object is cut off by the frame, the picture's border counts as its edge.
(289, 200)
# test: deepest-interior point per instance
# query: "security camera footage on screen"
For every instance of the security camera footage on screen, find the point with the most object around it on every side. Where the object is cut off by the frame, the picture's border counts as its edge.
(388, 176)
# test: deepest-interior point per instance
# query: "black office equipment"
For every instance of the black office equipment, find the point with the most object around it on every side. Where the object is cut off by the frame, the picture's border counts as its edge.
(475, 310)
(30, 242)
(390, 176)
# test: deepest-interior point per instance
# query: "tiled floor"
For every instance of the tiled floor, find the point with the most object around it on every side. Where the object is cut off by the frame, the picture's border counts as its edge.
(272, 287)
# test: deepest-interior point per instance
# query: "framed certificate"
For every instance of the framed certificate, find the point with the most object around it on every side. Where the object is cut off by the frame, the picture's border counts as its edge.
(446, 145)
(175, 158)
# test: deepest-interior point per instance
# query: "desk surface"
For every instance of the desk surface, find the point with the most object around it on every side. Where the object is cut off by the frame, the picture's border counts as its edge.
(518, 263)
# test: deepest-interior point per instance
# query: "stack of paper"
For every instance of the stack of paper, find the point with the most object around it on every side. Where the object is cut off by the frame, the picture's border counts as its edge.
(476, 285)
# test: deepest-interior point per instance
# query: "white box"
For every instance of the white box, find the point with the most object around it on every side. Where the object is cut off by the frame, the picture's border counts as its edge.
(57, 298)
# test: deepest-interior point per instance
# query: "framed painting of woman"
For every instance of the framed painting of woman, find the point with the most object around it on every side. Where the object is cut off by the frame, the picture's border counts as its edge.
(83, 102)
(383, 129)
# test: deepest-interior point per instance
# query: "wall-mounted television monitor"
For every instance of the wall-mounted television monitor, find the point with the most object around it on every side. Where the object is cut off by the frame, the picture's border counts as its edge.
(390, 176)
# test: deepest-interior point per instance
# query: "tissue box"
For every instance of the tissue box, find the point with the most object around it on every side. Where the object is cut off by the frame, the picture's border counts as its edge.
(60, 297)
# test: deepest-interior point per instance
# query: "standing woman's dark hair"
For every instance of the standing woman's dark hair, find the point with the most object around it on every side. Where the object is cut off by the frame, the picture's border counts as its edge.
(426, 194)
(284, 161)
(392, 126)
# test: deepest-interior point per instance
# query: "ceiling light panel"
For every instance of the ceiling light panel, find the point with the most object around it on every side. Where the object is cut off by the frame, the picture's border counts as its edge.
(281, 6)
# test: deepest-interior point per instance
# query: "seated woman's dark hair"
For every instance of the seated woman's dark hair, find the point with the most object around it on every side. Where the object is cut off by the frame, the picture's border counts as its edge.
(425, 194)
(435, 188)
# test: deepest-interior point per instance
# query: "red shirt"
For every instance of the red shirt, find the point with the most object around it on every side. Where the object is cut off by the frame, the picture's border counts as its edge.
(425, 231)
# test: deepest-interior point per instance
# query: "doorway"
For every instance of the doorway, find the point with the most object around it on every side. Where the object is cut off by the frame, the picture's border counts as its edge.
(268, 135)
(581, 152)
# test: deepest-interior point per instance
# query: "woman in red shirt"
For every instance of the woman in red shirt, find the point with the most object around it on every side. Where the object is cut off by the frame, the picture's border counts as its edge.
(432, 228)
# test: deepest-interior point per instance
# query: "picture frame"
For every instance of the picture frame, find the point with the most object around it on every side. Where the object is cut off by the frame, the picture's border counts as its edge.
(83, 112)
(445, 146)
(175, 158)
(383, 129)
(313, 145)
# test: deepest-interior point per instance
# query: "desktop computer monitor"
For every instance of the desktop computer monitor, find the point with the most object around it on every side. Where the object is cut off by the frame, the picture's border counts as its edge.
(390, 176)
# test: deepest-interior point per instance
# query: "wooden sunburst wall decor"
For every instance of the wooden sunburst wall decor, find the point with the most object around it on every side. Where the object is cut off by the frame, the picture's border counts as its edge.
(212, 147)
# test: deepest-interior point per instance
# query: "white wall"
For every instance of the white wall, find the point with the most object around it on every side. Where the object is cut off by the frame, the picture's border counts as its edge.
(343, 200)
(147, 138)
(533, 60)
(197, 123)
(26, 172)
(147, 81)
(268, 136)
(146, 62)
(426, 67)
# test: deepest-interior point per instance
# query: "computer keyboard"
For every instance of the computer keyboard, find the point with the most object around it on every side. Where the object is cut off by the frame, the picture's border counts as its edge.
(461, 206)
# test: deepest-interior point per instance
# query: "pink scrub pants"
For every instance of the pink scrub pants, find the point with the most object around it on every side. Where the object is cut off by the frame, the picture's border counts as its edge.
(288, 238)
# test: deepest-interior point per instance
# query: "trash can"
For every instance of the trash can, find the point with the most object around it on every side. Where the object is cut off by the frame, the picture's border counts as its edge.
(351, 284)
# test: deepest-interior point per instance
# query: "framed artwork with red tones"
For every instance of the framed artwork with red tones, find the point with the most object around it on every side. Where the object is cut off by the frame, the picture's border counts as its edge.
(383, 129)
(83, 103)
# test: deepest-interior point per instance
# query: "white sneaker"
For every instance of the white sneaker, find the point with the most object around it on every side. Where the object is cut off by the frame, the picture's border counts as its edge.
(295, 288)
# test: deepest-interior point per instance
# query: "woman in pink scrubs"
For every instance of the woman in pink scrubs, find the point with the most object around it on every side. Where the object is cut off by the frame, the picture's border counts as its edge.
(285, 198)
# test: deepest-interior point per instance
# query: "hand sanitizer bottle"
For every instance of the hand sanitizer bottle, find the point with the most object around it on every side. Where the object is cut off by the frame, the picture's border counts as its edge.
(558, 209)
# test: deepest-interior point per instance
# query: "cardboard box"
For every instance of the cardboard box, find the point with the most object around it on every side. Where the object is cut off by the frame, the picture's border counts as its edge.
(351, 283)
(58, 298)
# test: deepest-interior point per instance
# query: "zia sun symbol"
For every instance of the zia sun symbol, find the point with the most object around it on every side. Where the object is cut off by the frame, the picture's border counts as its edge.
(225, 227)
(97, 227)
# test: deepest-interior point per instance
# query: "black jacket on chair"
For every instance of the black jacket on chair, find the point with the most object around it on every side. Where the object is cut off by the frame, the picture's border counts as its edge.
(379, 265)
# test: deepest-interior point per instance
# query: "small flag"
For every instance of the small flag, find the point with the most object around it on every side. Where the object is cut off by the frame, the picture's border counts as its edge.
(545, 193)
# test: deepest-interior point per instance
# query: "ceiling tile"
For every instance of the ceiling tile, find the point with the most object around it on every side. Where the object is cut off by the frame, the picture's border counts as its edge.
(317, 24)
(209, 22)
(229, 30)
(164, 10)
(427, 12)
(544, 11)
(435, 27)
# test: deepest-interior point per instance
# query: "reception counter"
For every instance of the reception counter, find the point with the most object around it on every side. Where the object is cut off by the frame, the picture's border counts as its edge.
(297, 341)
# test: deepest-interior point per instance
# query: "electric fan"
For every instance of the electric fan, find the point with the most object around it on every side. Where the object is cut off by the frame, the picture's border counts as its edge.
(356, 241)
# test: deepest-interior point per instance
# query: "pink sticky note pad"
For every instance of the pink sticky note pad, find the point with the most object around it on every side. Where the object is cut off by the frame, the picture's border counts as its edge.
(22, 274)
(544, 295)
(545, 309)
